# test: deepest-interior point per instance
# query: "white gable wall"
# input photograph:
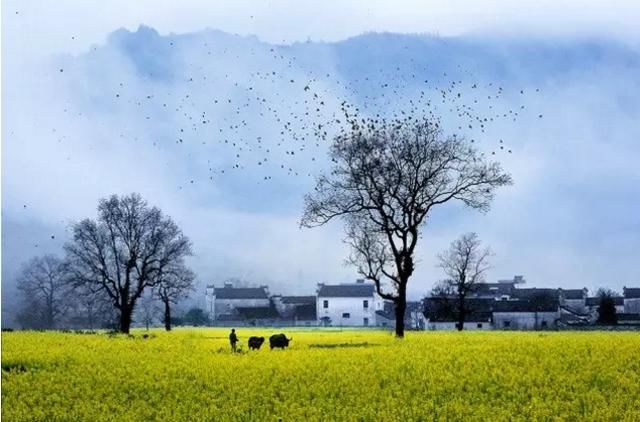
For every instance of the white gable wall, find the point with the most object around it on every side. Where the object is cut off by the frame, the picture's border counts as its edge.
(338, 306)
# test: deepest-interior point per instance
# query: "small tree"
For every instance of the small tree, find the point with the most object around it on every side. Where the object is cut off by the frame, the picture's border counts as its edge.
(43, 284)
(465, 263)
(607, 307)
(174, 285)
(386, 179)
(124, 252)
(543, 301)
(91, 308)
(147, 309)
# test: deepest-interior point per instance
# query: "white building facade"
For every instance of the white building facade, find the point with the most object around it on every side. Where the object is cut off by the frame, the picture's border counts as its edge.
(347, 305)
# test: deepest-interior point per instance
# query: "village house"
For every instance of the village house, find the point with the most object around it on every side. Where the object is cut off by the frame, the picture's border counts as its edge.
(525, 315)
(631, 300)
(230, 303)
(504, 305)
(441, 315)
(352, 304)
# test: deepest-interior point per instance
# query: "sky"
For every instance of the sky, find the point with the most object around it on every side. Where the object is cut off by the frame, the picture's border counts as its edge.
(93, 103)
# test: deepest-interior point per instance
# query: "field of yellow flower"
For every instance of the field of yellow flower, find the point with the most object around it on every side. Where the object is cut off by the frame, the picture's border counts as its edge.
(190, 375)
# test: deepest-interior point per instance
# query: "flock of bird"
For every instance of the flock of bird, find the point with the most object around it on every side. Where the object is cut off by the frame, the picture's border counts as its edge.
(260, 109)
(264, 110)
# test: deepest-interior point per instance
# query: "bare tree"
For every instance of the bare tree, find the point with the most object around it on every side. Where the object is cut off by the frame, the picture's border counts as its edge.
(464, 263)
(147, 309)
(91, 308)
(45, 293)
(125, 251)
(386, 179)
(174, 285)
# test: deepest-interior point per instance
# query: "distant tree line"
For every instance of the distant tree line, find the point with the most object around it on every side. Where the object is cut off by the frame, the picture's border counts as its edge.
(128, 260)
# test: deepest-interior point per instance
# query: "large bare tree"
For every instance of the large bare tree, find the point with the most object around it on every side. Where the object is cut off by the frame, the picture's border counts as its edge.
(42, 283)
(125, 251)
(465, 264)
(175, 284)
(386, 178)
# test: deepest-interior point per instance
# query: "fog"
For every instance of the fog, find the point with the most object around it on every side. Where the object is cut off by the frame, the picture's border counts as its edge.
(145, 112)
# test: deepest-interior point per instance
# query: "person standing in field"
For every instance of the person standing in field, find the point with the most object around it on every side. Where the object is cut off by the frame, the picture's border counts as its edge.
(233, 339)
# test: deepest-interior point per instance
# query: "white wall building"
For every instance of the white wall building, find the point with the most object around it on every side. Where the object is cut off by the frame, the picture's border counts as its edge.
(351, 304)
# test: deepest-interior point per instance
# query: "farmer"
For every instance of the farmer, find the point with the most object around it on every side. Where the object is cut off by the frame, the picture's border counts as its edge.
(233, 339)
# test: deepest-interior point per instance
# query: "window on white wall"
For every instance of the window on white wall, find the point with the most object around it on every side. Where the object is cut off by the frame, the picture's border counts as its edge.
(325, 304)
(365, 304)
(346, 315)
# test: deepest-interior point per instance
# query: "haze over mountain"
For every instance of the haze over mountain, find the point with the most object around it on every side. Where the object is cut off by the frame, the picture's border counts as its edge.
(225, 133)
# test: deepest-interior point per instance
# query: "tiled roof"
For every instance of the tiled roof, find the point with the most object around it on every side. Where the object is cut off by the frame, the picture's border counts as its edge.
(445, 309)
(471, 317)
(346, 290)
(529, 293)
(524, 306)
(292, 300)
(572, 294)
(240, 293)
(439, 308)
(631, 292)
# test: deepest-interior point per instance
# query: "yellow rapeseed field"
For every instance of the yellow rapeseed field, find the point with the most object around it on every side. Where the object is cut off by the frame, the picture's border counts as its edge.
(190, 375)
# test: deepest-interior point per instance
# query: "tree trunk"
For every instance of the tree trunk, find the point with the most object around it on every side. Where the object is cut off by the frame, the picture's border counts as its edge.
(401, 306)
(125, 319)
(167, 315)
(461, 313)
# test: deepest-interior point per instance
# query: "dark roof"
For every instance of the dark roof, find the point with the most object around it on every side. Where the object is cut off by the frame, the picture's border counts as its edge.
(524, 306)
(531, 292)
(434, 305)
(445, 309)
(240, 293)
(573, 293)
(306, 312)
(471, 317)
(595, 301)
(631, 292)
(346, 290)
(298, 299)
(262, 312)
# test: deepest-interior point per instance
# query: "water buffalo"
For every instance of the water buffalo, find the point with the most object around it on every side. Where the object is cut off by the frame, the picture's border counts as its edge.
(279, 340)
(255, 342)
